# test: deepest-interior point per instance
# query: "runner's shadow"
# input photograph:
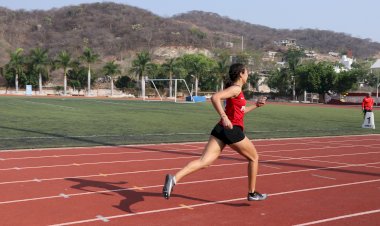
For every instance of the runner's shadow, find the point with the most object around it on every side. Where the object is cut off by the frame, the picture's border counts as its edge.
(130, 195)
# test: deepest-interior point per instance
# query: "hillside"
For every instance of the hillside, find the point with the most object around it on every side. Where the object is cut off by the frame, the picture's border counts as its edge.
(261, 37)
(118, 30)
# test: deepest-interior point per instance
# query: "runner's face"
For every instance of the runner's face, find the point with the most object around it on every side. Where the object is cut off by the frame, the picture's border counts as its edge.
(244, 76)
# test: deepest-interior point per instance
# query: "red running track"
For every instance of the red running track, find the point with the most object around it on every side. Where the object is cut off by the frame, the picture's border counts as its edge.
(322, 181)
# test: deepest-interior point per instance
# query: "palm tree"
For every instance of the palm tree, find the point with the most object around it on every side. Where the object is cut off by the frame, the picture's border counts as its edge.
(89, 57)
(170, 67)
(39, 60)
(294, 57)
(111, 69)
(139, 67)
(63, 60)
(17, 63)
(222, 69)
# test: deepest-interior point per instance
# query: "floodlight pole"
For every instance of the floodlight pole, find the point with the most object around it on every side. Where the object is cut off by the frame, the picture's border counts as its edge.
(377, 90)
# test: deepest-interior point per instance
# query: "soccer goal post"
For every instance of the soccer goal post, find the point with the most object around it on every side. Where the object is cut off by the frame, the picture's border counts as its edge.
(160, 84)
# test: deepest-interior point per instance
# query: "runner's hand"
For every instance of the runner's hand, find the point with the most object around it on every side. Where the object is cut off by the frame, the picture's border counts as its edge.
(261, 101)
(226, 122)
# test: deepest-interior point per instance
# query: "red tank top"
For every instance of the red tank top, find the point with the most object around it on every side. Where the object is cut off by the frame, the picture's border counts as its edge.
(235, 110)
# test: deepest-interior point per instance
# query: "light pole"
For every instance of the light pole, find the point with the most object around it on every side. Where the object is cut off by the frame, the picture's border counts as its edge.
(377, 90)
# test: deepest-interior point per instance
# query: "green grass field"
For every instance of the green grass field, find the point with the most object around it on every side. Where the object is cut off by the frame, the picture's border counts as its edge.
(30, 122)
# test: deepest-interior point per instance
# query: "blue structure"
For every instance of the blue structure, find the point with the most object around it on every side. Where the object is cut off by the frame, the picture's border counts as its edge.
(196, 98)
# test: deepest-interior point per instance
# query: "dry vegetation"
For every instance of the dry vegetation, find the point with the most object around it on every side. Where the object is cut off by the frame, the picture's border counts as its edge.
(118, 30)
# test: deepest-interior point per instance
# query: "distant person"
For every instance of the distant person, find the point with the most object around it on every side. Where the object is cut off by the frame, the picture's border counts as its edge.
(228, 131)
(367, 104)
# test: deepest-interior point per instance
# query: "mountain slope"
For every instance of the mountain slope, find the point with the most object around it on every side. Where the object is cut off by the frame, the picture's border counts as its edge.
(117, 29)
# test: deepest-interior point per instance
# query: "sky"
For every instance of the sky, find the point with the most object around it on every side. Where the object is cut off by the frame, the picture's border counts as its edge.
(356, 18)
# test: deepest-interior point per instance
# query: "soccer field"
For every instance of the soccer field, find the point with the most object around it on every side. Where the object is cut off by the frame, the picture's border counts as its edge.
(31, 122)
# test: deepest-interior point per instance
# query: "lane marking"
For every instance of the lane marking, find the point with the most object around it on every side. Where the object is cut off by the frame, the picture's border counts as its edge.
(175, 158)
(215, 202)
(104, 219)
(265, 165)
(316, 175)
(137, 188)
(64, 195)
(156, 186)
(96, 154)
(186, 207)
(316, 139)
(176, 150)
(42, 103)
(339, 217)
(376, 146)
(159, 170)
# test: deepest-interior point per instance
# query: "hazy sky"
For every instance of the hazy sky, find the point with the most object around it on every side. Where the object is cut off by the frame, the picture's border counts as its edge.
(357, 18)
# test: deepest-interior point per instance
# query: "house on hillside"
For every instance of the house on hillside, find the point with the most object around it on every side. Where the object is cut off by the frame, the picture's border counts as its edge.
(269, 56)
(310, 54)
(289, 42)
(346, 62)
(334, 54)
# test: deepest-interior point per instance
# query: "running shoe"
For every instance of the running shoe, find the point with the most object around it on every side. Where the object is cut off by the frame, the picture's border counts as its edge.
(168, 186)
(256, 196)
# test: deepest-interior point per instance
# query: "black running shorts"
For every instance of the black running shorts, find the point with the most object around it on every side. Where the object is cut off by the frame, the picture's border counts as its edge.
(228, 136)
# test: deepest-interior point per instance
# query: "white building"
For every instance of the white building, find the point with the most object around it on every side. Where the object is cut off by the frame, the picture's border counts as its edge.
(346, 61)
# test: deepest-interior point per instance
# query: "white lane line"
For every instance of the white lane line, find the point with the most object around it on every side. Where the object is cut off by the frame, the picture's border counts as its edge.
(184, 183)
(376, 146)
(162, 159)
(216, 202)
(184, 149)
(316, 175)
(99, 147)
(202, 142)
(96, 154)
(314, 141)
(339, 217)
(263, 163)
(327, 156)
(54, 105)
(104, 219)
(64, 195)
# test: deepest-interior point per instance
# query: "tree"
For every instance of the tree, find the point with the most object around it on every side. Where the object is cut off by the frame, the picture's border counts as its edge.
(317, 78)
(139, 66)
(280, 81)
(346, 80)
(362, 69)
(293, 58)
(89, 57)
(170, 66)
(222, 69)
(63, 60)
(17, 64)
(111, 69)
(77, 76)
(198, 66)
(39, 61)
(253, 79)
